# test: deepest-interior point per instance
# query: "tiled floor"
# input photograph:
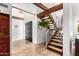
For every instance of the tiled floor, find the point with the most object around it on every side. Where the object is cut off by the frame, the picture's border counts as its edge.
(26, 48)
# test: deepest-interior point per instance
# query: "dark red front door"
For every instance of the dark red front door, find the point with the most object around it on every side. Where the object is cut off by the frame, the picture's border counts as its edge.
(4, 35)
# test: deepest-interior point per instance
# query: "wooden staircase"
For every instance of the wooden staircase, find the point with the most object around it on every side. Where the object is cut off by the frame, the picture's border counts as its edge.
(56, 41)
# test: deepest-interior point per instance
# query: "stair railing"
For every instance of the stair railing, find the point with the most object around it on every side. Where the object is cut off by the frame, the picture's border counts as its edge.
(49, 35)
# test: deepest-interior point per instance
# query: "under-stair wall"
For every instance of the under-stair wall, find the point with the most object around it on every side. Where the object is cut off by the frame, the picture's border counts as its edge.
(41, 33)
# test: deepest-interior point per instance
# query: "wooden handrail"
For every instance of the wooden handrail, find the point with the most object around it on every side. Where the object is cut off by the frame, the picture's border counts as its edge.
(52, 36)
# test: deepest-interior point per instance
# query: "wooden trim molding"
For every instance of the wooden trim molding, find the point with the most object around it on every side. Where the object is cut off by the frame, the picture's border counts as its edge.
(19, 18)
(53, 9)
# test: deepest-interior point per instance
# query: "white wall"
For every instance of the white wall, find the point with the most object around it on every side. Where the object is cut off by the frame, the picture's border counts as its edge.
(28, 18)
(17, 13)
(41, 34)
(34, 28)
(5, 10)
(71, 16)
(17, 29)
(75, 10)
(17, 32)
(66, 40)
(75, 18)
(67, 29)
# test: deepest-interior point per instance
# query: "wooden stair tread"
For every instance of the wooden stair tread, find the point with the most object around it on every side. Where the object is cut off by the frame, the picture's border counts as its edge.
(47, 20)
(57, 44)
(57, 37)
(57, 40)
(57, 49)
(57, 33)
(50, 22)
(51, 26)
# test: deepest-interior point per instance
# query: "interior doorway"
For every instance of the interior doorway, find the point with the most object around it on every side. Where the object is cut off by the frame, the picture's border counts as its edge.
(28, 31)
(4, 35)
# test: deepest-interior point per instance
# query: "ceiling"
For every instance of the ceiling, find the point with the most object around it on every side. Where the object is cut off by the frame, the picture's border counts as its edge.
(30, 7)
